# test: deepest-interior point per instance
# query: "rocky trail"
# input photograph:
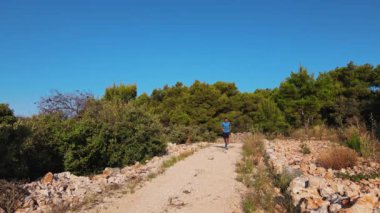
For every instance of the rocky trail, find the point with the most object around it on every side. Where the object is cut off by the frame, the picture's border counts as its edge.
(203, 182)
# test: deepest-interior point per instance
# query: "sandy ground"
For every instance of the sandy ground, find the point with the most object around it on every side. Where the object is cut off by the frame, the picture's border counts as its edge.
(203, 182)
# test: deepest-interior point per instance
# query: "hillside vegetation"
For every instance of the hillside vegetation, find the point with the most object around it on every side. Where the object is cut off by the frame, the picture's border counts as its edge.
(79, 133)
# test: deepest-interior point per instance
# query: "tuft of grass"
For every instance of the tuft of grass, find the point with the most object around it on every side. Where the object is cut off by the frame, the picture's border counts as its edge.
(152, 175)
(248, 203)
(337, 158)
(305, 149)
(173, 160)
(133, 183)
(282, 181)
(244, 170)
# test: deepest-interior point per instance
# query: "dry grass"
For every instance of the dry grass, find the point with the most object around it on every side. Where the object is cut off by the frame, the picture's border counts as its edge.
(355, 136)
(358, 138)
(253, 173)
(318, 132)
(261, 194)
(337, 158)
(11, 195)
(173, 160)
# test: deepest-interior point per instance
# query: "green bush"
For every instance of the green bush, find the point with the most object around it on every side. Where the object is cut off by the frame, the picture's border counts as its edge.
(43, 149)
(12, 135)
(118, 135)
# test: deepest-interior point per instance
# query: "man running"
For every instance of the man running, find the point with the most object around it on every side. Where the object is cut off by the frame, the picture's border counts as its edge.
(226, 128)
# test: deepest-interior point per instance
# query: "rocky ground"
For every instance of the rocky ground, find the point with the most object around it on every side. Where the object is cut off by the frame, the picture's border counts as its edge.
(64, 191)
(316, 189)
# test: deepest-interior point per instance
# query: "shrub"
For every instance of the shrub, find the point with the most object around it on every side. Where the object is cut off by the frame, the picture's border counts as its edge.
(183, 134)
(337, 158)
(12, 135)
(111, 135)
(43, 149)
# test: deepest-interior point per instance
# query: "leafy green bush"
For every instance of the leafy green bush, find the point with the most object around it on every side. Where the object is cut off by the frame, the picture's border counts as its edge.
(113, 135)
(43, 149)
(12, 135)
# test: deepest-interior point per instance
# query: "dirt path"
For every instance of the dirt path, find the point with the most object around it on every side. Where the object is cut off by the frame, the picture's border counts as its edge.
(203, 182)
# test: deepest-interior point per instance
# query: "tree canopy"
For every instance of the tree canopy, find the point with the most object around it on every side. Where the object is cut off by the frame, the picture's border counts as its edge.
(83, 134)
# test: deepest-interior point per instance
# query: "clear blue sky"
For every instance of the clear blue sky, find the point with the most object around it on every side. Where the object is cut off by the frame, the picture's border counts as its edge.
(88, 44)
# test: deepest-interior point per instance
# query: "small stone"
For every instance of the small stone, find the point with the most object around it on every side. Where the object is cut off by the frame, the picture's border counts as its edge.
(329, 174)
(137, 165)
(345, 202)
(365, 204)
(48, 178)
(326, 192)
(108, 172)
(312, 167)
(320, 170)
(333, 208)
(315, 181)
(98, 177)
(315, 203)
(340, 188)
(28, 202)
(322, 209)
(373, 164)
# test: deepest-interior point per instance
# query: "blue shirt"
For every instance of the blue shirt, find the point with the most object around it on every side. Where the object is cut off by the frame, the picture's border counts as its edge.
(226, 127)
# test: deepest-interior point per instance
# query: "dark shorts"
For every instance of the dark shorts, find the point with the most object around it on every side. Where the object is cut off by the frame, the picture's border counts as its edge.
(226, 135)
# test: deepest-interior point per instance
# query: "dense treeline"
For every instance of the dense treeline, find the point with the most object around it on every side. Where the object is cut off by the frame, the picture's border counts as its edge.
(79, 133)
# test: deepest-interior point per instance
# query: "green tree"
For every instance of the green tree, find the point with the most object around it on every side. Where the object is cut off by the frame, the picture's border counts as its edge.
(297, 97)
(269, 118)
(123, 93)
